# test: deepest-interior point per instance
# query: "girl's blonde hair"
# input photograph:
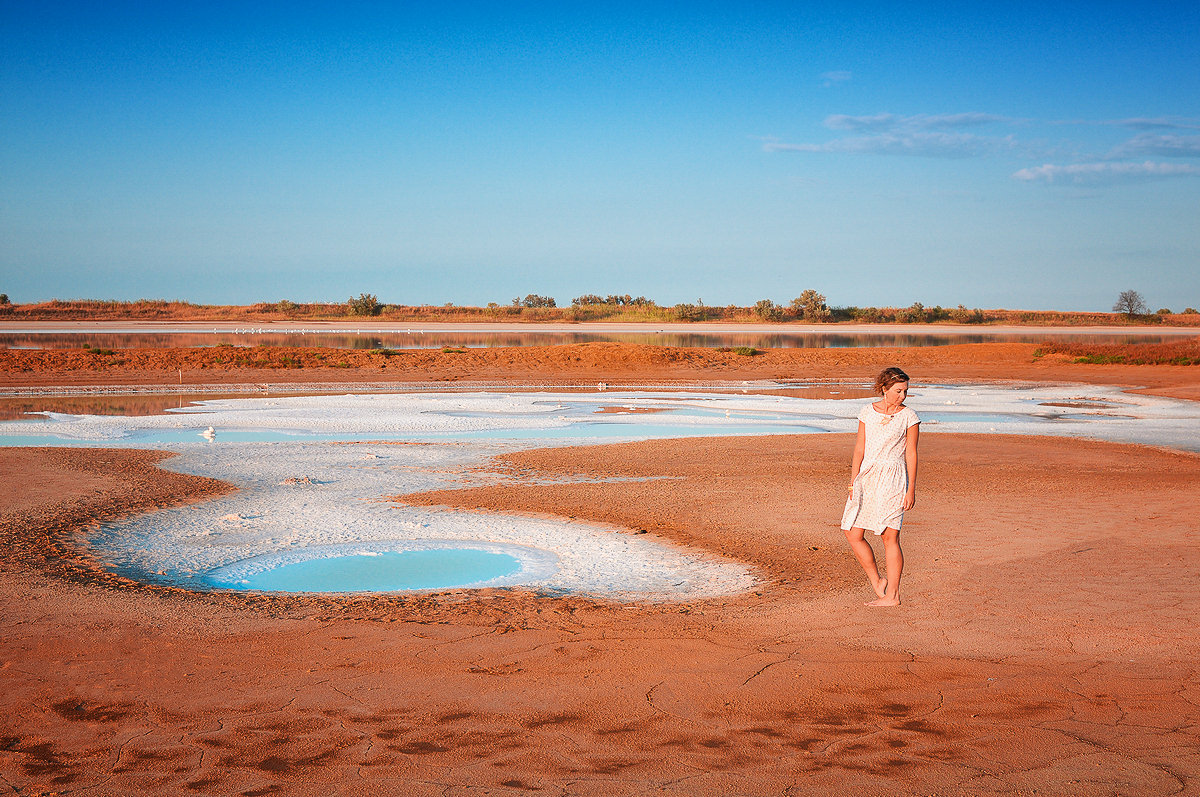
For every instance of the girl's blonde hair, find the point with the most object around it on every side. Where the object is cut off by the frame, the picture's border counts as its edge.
(888, 377)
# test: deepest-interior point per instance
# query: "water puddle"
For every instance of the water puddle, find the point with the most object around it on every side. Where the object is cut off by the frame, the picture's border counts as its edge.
(389, 568)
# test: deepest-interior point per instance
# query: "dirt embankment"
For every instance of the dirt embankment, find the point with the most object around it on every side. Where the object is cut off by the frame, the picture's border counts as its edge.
(588, 363)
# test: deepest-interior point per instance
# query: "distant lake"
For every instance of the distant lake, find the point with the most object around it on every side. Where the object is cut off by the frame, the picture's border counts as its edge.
(375, 336)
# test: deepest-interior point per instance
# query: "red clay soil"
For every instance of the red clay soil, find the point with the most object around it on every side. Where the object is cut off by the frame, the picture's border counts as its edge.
(1046, 644)
(585, 363)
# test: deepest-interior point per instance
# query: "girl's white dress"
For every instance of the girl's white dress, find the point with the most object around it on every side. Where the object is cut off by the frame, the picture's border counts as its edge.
(877, 500)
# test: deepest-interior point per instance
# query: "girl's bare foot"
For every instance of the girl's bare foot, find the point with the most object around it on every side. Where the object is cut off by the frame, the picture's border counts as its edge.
(883, 601)
(881, 587)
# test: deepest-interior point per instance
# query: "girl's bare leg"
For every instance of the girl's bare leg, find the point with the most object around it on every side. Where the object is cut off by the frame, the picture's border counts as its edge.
(866, 557)
(894, 558)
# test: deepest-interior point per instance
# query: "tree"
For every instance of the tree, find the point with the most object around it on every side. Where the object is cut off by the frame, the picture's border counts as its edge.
(1130, 303)
(810, 305)
(3, 298)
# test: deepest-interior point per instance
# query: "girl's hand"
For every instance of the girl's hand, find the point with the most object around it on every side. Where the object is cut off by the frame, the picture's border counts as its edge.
(910, 500)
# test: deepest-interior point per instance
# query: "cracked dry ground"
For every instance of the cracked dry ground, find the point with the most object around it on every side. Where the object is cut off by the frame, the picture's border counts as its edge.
(1046, 643)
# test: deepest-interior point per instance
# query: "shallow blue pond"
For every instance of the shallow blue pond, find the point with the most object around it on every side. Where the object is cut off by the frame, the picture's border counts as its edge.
(389, 571)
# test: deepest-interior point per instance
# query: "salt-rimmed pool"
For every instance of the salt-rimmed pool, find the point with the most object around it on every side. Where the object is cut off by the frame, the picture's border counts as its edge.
(385, 568)
(313, 471)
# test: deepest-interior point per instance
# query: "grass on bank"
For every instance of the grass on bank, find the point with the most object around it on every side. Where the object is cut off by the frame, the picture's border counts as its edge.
(1183, 352)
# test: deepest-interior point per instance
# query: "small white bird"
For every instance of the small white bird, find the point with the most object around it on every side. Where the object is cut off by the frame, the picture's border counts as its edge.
(209, 433)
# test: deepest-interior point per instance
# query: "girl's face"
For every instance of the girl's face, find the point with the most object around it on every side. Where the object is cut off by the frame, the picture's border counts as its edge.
(896, 394)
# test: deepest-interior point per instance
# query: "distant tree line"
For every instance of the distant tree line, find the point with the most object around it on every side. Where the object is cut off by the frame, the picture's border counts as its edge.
(809, 307)
(612, 299)
(532, 300)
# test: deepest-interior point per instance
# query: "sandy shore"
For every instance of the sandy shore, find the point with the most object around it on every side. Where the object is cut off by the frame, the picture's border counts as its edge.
(1046, 643)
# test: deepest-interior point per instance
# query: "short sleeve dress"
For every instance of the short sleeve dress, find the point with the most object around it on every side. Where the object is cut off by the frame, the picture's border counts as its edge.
(877, 500)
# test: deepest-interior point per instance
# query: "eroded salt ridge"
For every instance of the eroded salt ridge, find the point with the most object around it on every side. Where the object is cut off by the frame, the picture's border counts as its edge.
(338, 504)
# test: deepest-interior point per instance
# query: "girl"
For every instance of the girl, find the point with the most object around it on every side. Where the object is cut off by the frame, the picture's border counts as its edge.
(883, 482)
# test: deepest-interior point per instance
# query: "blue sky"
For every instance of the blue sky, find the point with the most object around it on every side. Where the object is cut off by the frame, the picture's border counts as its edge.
(1022, 155)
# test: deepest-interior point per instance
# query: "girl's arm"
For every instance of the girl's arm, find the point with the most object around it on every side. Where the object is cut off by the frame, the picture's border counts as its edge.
(910, 462)
(860, 449)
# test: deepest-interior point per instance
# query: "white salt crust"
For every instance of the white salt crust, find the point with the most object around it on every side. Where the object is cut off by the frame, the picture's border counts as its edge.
(341, 503)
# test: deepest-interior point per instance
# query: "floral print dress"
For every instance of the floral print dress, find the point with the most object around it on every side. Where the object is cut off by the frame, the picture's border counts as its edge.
(877, 500)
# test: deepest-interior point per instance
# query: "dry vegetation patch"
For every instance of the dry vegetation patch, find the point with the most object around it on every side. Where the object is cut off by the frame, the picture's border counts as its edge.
(1181, 352)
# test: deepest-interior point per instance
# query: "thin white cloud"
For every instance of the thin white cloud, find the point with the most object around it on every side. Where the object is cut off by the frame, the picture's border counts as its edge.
(1104, 173)
(1136, 122)
(879, 121)
(924, 135)
(888, 121)
(962, 135)
(948, 121)
(835, 77)
(1163, 145)
(1159, 123)
(924, 144)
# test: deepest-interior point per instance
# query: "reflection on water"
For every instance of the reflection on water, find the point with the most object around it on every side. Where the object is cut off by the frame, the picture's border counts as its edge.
(417, 339)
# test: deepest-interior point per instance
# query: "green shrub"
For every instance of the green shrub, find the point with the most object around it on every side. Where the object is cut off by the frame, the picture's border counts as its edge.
(533, 300)
(961, 315)
(690, 312)
(746, 351)
(365, 304)
(811, 306)
(874, 315)
(767, 310)
(913, 314)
